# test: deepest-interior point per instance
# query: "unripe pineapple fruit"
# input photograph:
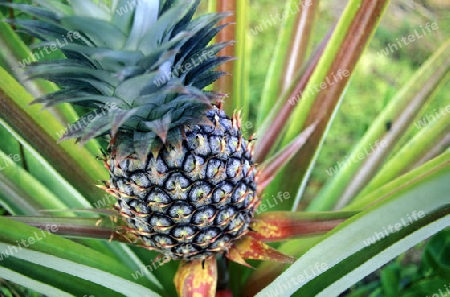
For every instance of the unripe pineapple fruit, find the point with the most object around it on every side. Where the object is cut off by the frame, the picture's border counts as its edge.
(180, 168)
(192, 200)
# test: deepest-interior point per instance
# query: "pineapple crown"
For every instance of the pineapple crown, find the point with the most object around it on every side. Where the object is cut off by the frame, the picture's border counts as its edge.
(141, 64)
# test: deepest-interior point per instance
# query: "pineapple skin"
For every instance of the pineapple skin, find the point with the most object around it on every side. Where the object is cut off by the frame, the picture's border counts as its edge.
(194, 200)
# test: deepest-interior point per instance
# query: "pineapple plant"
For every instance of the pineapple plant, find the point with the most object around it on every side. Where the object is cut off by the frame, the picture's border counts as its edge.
(187, 183)
(181, 170)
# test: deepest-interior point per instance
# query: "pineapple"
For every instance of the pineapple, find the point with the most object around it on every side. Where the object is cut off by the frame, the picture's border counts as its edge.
(181, 170)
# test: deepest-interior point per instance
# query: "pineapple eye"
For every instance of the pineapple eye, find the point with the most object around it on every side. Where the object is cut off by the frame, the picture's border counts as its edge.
(239, 194)
(158, 196)
(199, 191)
(163, 240)
(207, 236)
(225, 215)
(183, 231)
(233, 167)
(215, 144)
(179, 210)
(160, 221)
(204, 215)
(200, 194)
(214, 169)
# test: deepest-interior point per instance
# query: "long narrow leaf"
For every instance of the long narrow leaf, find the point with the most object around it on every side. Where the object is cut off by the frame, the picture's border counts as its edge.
(323, 93)
(40, 129)
(329, 194)
(354, 242)
(50, 251)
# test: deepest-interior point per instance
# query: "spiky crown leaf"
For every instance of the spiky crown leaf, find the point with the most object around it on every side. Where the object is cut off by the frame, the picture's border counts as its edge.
(141, 65)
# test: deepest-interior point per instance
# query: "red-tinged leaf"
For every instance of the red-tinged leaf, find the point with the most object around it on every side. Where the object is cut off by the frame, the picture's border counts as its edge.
(282, 225)
(197, 278)
(325, 102)
(235, 255)
(276, 122)
(249, 247)
(299, 43)
(271, 167)
(225, 83)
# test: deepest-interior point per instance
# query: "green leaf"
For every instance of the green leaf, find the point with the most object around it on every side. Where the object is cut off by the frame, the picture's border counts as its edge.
(40, 175)
(390, 280)
(241, 65)
(40, 129)
(356, 249)
(271, 91)
(12, 51)
(329, 194)
(436, 254)
(19, 199)
(324, 92)
(32, 283)
(64, 256)
(431, 287)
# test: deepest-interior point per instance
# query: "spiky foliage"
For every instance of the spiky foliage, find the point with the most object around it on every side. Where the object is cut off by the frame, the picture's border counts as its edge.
(180, 168)
(141, 68)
